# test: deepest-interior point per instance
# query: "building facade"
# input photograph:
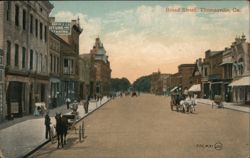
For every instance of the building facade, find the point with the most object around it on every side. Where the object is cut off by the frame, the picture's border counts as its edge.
(56, 97)
(212, 82)
(240, 70)
(69, 33)
(185, 73)
(86, 75)
(102, 68)
(24, 41)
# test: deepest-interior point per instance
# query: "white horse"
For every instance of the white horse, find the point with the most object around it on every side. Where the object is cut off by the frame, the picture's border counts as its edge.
(188, 104)
(52, 133)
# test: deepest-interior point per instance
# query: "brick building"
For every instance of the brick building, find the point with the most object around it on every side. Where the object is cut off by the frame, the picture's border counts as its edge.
(185, 73)
(212, 82)
(24, 41)
(102, 68)
(69, 33)
(175, 82)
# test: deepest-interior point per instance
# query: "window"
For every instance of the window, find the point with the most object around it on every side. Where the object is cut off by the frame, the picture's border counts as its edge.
(54, 63)
(205, 72)
(65, 63)
(41, 31)
(51, 63)
(58, 64)
(16, 54)
(1, 60)
(24, 19)
(17, 15)
(41, 62)
(45, 34)
(31, 24)
(8, 53)
(36, 27)
(8, 10)
(31, 59)
(23, 57)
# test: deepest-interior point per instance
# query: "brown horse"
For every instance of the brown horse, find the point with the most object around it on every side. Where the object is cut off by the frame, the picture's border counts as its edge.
(61, 129)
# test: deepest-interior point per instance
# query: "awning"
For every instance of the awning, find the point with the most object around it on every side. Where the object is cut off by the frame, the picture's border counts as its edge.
(195, 88)
(174, 89)
(244, 81)
(227, 60)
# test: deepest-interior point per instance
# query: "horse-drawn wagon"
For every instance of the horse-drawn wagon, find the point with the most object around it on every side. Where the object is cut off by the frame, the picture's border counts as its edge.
(181, 103)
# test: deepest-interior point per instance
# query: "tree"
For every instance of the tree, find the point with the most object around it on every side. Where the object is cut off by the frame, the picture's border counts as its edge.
(118, 84)
(143, 84)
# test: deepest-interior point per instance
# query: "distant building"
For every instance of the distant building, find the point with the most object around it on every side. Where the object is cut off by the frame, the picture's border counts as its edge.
(175, 82)
(24, 41)
(102, 67)
(195, 78)
(69, 33)
(159, 83)
(87, 75)
(156, 83)
(212, 82)
(185, 73)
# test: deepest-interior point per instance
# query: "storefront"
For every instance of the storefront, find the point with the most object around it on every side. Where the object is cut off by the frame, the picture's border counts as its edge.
(241, 90)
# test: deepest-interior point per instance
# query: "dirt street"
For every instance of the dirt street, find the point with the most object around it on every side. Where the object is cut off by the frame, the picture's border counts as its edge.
(145, 127)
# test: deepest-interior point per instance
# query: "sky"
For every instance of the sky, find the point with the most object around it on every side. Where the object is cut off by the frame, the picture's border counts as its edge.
(142, 37)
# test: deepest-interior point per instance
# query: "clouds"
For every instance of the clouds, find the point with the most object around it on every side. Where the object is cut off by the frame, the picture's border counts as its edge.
(141, 40)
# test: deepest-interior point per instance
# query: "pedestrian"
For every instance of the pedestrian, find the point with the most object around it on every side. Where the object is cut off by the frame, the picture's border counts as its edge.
(47, 125)
(67, 102)
(86, 105)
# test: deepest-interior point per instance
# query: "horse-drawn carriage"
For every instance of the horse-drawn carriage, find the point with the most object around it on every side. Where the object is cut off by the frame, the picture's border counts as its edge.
(175, 102)
(182, 103)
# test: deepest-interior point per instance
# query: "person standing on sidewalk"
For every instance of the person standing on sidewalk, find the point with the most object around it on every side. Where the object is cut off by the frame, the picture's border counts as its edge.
(47, 125)
(67, 102)
(86, 105)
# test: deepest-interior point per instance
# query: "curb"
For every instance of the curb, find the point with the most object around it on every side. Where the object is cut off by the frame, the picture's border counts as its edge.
(34, 150)
(47, 141)
(225, 107)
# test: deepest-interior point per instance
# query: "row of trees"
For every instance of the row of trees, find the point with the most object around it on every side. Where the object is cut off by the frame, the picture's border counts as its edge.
(122, 84)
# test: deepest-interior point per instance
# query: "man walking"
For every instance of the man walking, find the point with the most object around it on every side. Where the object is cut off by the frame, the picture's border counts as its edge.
(47, 125)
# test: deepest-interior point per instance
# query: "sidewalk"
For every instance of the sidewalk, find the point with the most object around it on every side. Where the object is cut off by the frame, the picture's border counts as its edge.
(19, 139)
(232, 106)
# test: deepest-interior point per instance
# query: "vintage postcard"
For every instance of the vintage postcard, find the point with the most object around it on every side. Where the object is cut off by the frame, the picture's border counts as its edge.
(124, 79)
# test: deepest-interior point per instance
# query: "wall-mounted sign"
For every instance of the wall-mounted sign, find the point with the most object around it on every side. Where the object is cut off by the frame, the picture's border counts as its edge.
(60, 28)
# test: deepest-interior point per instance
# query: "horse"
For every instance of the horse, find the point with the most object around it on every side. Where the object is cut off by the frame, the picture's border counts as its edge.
(61, 129)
